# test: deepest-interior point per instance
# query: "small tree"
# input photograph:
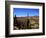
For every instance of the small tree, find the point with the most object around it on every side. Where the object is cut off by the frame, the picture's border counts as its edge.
(27, 23)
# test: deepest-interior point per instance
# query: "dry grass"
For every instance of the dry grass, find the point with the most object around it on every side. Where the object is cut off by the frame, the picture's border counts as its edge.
(22, 23)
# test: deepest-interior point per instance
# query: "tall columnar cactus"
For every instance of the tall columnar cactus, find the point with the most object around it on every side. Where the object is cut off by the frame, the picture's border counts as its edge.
(27, 20)
(15, 20)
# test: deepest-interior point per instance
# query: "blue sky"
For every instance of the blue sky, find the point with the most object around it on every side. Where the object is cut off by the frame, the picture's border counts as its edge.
(19, 12)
